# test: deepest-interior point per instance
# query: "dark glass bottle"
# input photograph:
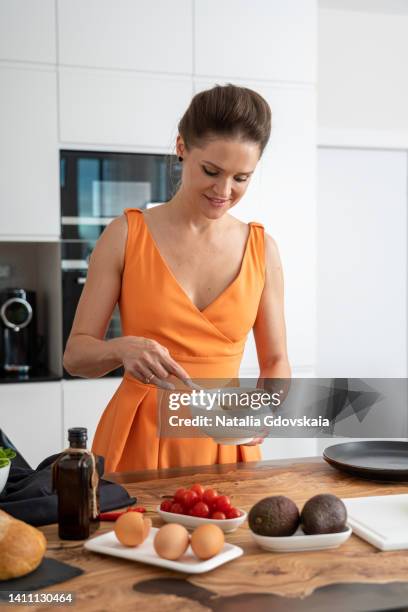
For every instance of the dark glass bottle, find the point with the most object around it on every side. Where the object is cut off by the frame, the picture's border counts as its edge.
(75, 479)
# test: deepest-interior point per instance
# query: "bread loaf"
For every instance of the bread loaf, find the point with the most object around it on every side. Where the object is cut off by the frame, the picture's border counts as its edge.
(22, 547)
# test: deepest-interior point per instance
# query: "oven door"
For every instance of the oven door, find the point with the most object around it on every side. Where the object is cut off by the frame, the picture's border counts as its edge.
(73, 281)
(97, 186)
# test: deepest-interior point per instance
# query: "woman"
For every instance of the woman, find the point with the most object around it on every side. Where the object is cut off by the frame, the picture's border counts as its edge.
(191, 281)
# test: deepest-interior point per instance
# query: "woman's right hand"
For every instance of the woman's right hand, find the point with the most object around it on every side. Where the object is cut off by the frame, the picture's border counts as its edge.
(149, 361)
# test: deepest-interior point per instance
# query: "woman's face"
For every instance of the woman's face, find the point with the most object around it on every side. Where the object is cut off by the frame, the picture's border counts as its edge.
(217, 175)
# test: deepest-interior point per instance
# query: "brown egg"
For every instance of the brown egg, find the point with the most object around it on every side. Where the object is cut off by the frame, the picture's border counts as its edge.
(130, 528)
(207, 541)
(147, 525)
(171, 541)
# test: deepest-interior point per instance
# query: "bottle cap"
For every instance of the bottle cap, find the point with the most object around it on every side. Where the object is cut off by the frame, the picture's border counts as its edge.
(76, 434)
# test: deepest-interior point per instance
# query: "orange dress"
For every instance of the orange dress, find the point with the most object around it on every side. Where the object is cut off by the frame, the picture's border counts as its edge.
(207, 344)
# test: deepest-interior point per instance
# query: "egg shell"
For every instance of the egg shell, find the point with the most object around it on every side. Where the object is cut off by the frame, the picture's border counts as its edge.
(147, 525)
(130, 528)
(171, 541)
(207, 541)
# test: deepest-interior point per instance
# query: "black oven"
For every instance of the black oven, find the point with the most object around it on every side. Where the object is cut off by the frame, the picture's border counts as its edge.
(74, 264)
(95, 188)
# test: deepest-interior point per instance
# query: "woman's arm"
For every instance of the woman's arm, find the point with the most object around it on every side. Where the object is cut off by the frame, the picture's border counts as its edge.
(269, 327)
(87, 354)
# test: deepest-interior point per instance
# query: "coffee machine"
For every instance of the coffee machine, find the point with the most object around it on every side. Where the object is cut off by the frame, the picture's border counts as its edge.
(18, 330)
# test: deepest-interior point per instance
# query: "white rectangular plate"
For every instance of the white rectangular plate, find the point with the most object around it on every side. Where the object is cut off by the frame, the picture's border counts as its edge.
(300, 542)
(381, 520)
(107, 544)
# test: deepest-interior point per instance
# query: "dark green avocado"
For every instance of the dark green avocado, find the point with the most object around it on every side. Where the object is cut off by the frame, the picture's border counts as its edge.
(324, 513)
(275, 516)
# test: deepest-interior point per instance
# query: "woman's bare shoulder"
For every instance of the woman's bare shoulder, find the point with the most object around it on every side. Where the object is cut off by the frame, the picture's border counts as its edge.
(272, 257)
(110, 247)
(239, 228)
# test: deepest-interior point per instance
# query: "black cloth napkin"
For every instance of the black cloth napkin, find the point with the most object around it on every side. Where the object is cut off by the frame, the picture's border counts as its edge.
(50, 571)
(28, 495)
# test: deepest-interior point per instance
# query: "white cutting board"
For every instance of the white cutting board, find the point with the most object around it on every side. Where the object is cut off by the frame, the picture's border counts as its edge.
(381, 520)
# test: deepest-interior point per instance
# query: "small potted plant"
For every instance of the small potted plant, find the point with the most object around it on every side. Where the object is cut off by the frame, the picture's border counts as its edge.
(6, 454)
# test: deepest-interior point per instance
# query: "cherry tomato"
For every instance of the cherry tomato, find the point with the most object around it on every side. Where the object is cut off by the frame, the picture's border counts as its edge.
(166, 505)
(233, 513)
(222, 503)
(200, 509)
(209, 495)
(199, 489)
(218, 516)
(177, 508)
(178, 496)
(189, 499)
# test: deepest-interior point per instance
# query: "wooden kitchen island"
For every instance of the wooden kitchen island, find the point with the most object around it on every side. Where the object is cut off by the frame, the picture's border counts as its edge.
(355, 576)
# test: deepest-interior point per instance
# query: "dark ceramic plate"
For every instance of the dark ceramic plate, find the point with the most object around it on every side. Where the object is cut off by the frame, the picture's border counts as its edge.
(375, 460)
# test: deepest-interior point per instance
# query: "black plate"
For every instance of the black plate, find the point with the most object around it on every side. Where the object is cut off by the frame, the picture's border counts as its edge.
(376, 460)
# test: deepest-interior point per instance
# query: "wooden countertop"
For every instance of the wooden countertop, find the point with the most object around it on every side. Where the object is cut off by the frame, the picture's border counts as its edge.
(351, 577)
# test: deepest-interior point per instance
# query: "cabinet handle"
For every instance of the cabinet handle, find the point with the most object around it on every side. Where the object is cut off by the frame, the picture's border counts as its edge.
(81, 280)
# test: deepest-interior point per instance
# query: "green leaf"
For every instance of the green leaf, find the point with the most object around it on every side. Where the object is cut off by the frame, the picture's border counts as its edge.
(7, 453)
(4, 462)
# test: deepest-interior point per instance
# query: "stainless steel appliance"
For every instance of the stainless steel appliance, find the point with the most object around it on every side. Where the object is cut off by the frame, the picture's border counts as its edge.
(74, 264)
(18, 327)
(95, 188)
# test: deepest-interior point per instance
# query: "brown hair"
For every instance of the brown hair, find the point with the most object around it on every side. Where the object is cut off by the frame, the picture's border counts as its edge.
(229, 111)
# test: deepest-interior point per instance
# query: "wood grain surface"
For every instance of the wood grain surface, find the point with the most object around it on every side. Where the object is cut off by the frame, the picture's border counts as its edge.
(110, 582)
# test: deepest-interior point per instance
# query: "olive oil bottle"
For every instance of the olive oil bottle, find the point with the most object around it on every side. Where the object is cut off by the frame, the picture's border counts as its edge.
(76, 482)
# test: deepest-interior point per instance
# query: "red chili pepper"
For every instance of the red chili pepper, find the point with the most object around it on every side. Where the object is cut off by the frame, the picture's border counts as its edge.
(113, 516)
(137, 509)
(109, 516)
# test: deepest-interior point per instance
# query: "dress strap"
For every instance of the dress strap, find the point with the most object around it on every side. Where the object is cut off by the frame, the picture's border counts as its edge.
(258, 248)
(136, 210)
(135, 234)
(256, 224)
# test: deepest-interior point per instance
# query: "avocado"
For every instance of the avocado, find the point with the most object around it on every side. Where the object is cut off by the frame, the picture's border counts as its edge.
(274, 516)
(324, 513)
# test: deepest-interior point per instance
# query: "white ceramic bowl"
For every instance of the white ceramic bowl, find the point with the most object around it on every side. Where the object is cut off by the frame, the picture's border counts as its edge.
(236, 434)
(301, 542)
(4, 473)
(227, 525)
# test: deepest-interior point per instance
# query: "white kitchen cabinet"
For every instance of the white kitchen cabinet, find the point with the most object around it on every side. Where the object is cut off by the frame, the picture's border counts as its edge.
(362, 263)
(121, 108)
(289, 448)
(27, 30)
(261, 39)
(353, 109)
(29, 186)
(30, 415)
(147, 35)
(84, 402)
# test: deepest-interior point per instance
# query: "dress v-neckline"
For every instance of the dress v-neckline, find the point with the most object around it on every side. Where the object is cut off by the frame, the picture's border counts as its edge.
(177, 283)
